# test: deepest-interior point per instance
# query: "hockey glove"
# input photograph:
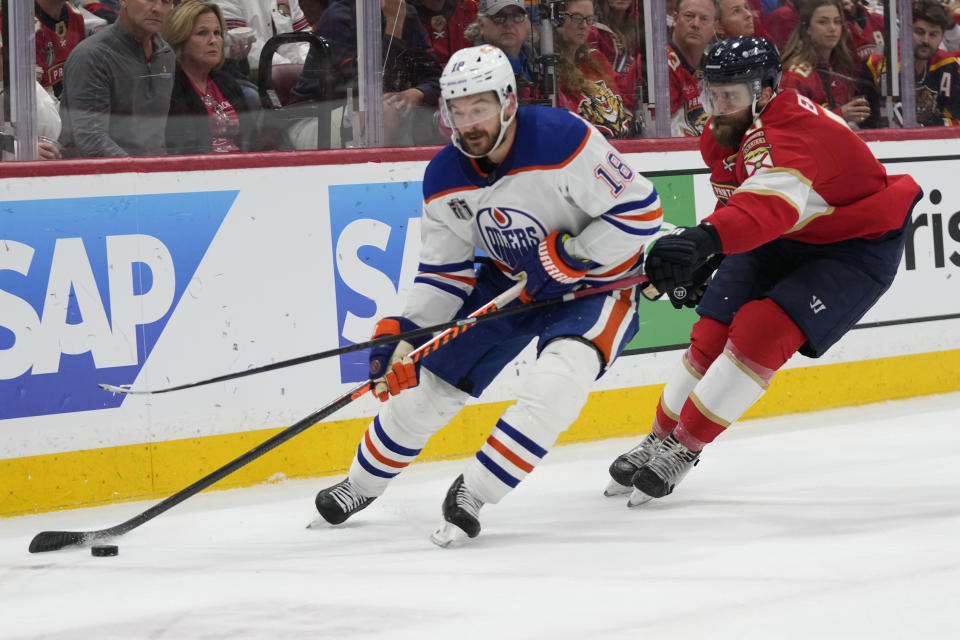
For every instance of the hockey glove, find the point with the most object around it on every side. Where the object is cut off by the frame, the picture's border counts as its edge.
(551, 271)
(676, 258)
(391, 368)
(690, 296)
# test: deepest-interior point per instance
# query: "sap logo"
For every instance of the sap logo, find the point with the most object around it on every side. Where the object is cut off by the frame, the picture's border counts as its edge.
(508, 233)
(86, 288)
(375, 231)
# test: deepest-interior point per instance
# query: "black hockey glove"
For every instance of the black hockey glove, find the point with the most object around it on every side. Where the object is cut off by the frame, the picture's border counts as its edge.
(690, 296)
(676, 258)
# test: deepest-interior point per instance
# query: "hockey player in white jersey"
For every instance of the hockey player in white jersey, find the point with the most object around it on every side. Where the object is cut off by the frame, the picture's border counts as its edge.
(542, 193)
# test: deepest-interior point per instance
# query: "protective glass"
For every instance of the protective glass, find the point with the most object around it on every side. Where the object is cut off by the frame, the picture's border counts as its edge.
(719, 99)
(461, 113)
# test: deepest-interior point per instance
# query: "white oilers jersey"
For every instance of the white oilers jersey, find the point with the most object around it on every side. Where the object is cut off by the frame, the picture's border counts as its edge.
(560, 174)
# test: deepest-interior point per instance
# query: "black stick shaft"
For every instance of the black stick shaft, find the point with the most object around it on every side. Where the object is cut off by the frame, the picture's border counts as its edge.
(53, 540)
(415, 333)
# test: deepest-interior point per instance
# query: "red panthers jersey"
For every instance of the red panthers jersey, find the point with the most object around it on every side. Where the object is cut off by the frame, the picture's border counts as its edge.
(866, 32)
(801, 173)
(446, 26)
(824, 85)
(686, 113)
(56, 38)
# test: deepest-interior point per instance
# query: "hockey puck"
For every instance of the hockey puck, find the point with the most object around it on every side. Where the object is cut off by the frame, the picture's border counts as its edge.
(104, 550)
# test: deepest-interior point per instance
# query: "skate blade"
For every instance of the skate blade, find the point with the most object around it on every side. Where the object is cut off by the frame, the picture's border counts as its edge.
(317, 523)
(448, 535)
(614, 488)
(638, 498)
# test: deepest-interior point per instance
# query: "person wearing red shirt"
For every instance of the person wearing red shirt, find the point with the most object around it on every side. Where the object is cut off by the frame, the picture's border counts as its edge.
(819, 64)
(588, 85)
(791, 279)
(445, 22)
(865, 29)
(693, 29)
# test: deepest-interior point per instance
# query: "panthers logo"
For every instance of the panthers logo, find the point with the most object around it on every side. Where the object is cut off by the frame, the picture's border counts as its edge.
(604, 109)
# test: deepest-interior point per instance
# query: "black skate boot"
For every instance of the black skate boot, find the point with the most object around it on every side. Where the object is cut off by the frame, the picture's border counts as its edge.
(461, 515)
(623, 468)
(339, 502)
(669, 464)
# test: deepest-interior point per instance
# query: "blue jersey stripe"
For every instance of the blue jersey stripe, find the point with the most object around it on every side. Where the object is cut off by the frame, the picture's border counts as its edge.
(497, 470)
(390, 444)
(649, 231)
(443, 286)
(633, 205)
(372, 470)
(446, 268)
(521, 439)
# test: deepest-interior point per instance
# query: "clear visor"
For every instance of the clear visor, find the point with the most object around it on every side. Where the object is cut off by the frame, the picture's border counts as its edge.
(463, 113)
(720, 99)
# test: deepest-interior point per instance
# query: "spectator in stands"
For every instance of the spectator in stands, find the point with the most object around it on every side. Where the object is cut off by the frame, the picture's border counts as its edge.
(782, 21)
(266, 18)
(208, 112)
(618, 33)
(865, 28)
(445, 22)
(951, 37)
(588, 85)
(107, 10)
(818, 63)
(59, 29)
(117, 84)
(937, 72)
(411, 76)
(693, 30)
(48, 118)
(505, 25)
(736, 18)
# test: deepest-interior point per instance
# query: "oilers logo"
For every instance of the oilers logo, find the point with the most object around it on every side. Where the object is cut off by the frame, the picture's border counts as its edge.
(507, 233)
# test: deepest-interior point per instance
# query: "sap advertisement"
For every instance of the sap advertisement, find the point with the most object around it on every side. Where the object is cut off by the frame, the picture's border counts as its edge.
(86, 288)
(158, 279)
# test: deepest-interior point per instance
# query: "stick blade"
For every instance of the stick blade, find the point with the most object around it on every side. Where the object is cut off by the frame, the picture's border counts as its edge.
(54, 540)
(112, 388)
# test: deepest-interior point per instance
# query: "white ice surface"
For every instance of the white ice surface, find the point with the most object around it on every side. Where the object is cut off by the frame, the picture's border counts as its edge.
(840, 524)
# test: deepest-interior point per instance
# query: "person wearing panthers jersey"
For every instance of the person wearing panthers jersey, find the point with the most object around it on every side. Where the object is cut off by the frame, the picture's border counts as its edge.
(694, 28)
(59, 29)
(812, 229)
(541, 193)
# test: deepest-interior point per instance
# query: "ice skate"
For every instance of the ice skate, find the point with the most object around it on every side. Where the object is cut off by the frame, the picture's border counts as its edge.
(460, 514)
(339, 502)
(671, 462)
(623, 468)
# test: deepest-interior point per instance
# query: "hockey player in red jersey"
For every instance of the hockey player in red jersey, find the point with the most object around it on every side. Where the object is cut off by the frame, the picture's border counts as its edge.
(541, 193)
(812, 229)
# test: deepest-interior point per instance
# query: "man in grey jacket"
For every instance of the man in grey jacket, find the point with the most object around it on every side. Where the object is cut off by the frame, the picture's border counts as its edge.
(117, 84)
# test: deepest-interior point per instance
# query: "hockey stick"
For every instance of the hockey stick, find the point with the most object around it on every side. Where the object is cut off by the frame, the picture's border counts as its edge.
(649, 291)
(54, 540)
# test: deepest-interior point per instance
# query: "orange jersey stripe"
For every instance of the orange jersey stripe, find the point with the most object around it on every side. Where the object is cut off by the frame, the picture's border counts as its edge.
(620, 268)
(464, 279)
(642, 217)
(448, 192)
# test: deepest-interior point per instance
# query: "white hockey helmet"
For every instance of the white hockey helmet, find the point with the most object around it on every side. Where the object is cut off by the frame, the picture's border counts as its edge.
(471, 71)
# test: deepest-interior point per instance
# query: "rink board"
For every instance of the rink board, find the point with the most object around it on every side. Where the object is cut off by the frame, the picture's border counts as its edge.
(169, 276)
